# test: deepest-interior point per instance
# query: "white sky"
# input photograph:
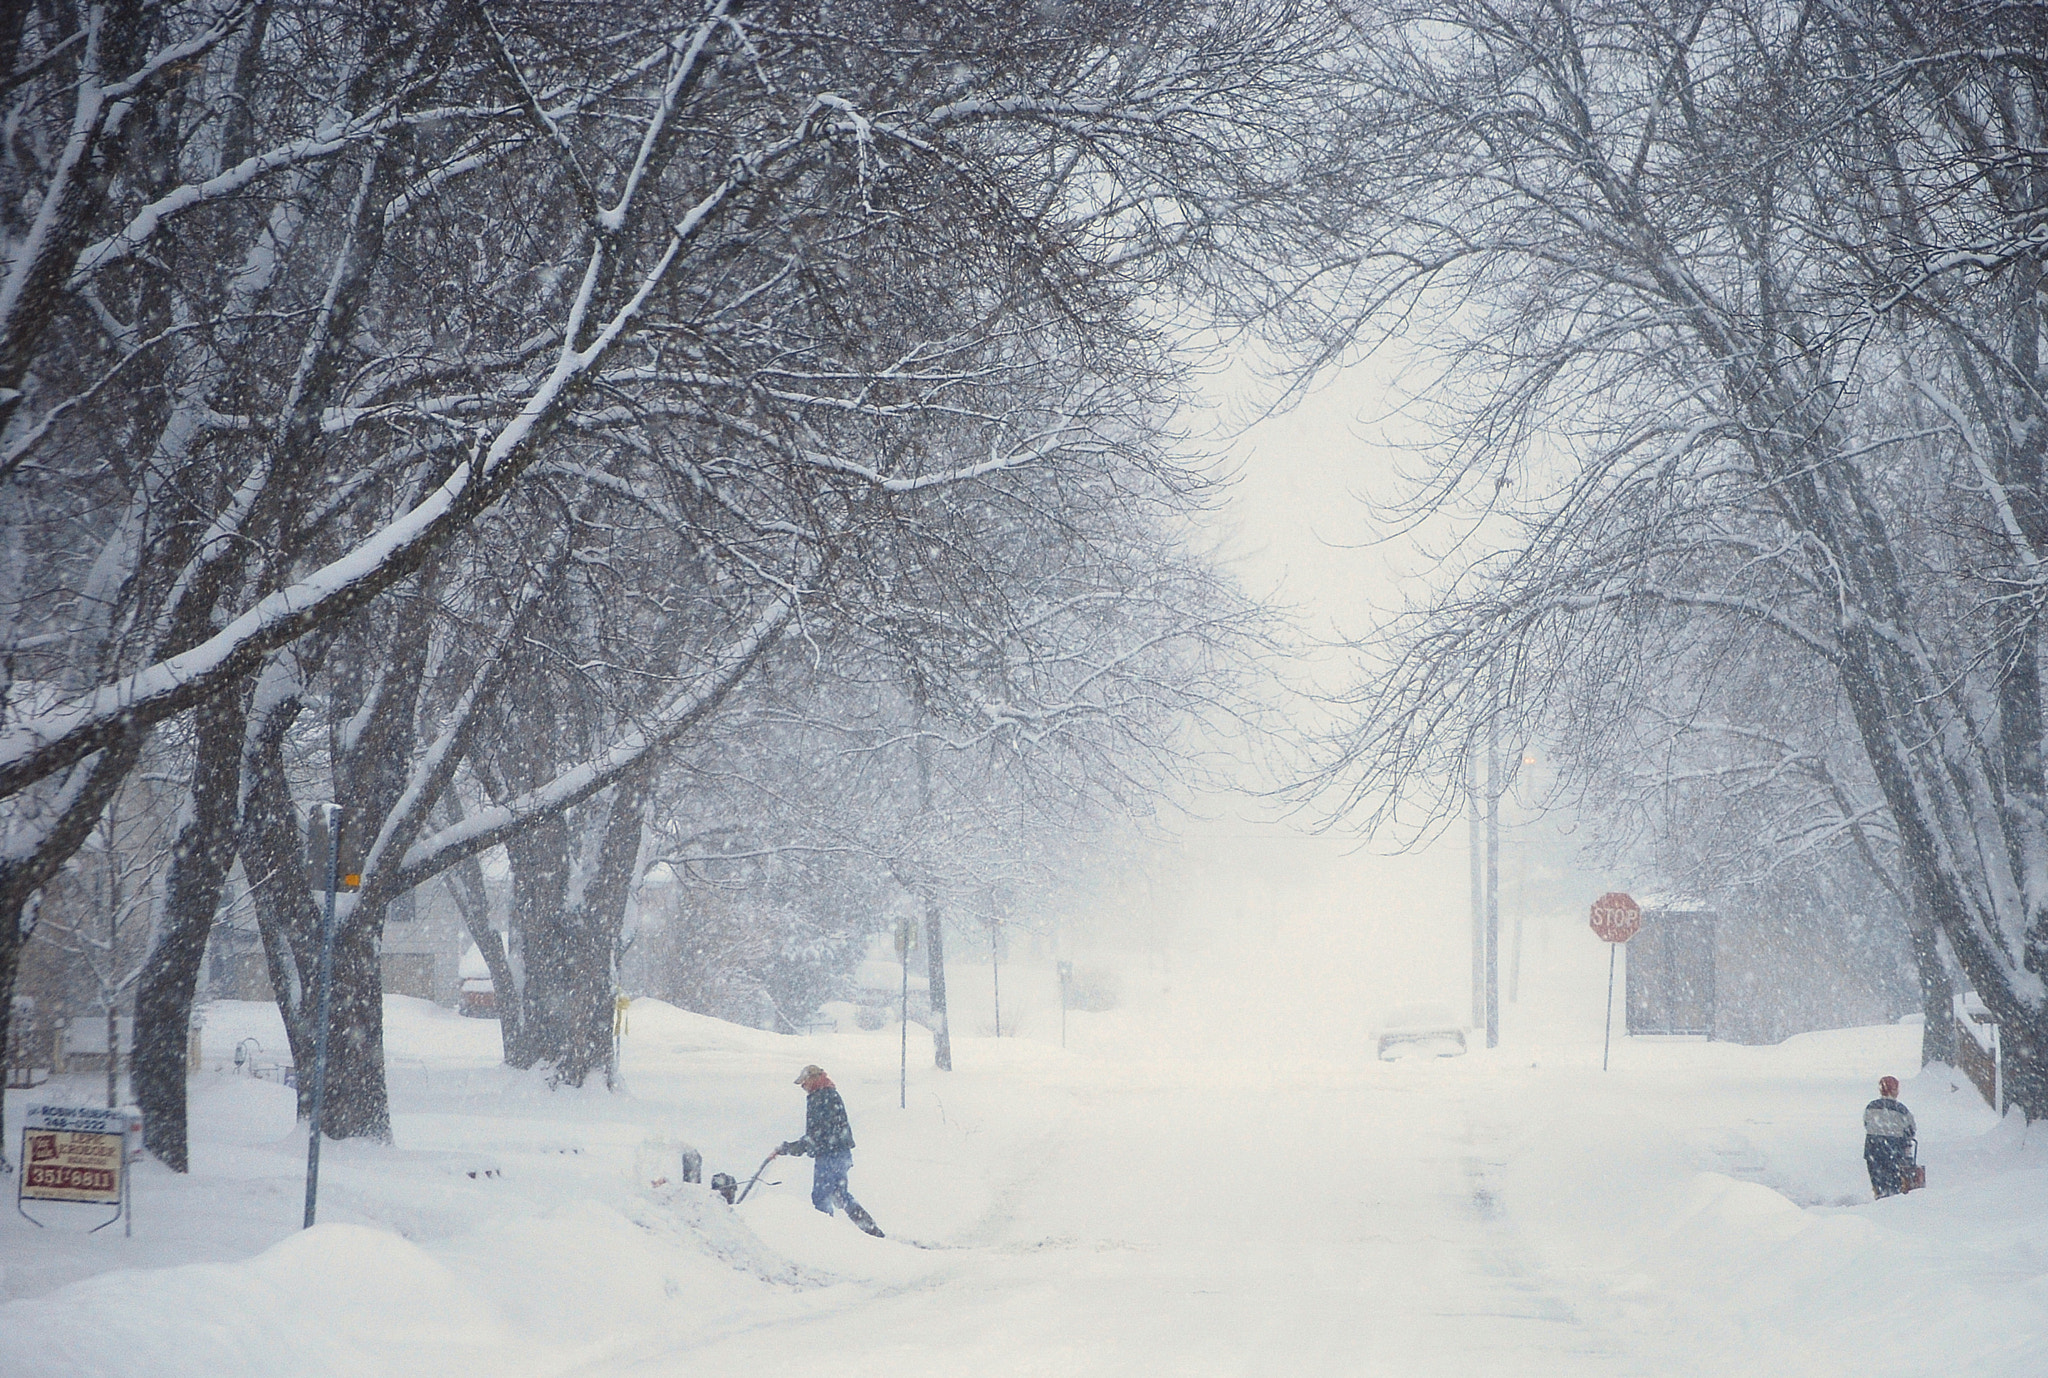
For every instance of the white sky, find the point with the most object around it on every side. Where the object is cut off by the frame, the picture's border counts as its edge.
(1296, 529)
(1297, 520)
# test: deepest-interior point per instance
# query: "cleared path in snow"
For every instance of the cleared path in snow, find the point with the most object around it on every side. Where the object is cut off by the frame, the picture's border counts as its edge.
(1221, 1224)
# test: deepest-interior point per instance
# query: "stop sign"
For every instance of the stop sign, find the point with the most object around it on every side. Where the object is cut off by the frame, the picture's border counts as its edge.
(1616, 917)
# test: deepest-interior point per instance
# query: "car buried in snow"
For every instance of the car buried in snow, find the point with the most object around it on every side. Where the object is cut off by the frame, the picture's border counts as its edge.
(1419, 1031)
(479, 999)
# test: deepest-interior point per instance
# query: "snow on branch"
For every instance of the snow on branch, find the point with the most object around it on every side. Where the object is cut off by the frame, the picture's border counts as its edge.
(33, 747)
(680, 713)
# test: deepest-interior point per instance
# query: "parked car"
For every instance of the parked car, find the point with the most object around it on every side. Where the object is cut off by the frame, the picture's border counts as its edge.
(479, 998)
(1420, 1031)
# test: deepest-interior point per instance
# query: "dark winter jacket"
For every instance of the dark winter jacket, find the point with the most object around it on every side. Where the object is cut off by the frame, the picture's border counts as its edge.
(826, 1129)
(1885, 1118)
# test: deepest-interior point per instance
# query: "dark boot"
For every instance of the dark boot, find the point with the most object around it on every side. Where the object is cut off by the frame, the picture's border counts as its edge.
(859, 1216)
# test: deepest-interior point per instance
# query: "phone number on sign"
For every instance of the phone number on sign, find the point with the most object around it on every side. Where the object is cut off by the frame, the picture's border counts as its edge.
(62, 1178)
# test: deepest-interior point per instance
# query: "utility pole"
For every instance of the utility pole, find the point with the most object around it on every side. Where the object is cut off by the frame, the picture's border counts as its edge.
(935, 973)
(934, 916)
(1521, 911)
(1478, 900)
(906, 938)
(1492, 879)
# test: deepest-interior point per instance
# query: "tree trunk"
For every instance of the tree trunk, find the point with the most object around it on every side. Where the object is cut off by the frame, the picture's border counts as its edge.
(113, 1053)
(71, 203)
(935, 971)
(2023, 1039)
(200, 859)
(570, 943)
(274, 860)
(12, 939)
(472, 899)
(572, 982)
(357, 1104)
(540, 888)
(1937, 996)
(2023, 1068)
(23, 877)
(10, 963)
(602, 916)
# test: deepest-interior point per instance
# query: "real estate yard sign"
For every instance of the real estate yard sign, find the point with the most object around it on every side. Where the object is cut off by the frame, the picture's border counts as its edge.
(77, 1154)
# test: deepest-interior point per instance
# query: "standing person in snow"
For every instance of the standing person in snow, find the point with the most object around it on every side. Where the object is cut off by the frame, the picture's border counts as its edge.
(1888, 1135)
(828, 1143)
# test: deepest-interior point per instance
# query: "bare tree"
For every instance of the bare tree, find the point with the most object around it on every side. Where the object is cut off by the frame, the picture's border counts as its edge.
(99, 922)
(772, 278)
(1694, 273)
(1770, 812)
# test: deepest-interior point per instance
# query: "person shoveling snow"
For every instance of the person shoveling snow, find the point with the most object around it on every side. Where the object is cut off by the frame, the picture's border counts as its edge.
(1888, 1141)
(828, 1143)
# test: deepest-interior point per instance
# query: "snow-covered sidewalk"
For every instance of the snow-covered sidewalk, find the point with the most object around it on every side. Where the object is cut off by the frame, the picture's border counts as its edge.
(1190, 1190)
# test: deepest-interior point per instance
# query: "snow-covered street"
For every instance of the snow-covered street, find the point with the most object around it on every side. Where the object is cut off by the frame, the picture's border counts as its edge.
(1188, 1189)
(1216, 1221)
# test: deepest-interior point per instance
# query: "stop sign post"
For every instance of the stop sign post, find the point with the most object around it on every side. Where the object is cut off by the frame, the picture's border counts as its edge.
(1616, 919)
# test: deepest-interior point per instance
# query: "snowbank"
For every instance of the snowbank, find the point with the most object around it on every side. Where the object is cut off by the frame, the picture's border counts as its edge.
(1198, 1184)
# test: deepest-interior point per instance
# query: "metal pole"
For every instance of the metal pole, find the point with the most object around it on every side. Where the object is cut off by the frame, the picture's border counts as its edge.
(995, 971)
(1607, 1041)
(320, 1026)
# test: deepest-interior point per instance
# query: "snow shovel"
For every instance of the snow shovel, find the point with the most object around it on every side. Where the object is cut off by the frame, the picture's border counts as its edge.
(757, 1174)
(1912, 1176)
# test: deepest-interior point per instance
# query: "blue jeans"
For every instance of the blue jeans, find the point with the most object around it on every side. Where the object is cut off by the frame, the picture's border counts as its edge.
(1887, 1159)
(828, 1181)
